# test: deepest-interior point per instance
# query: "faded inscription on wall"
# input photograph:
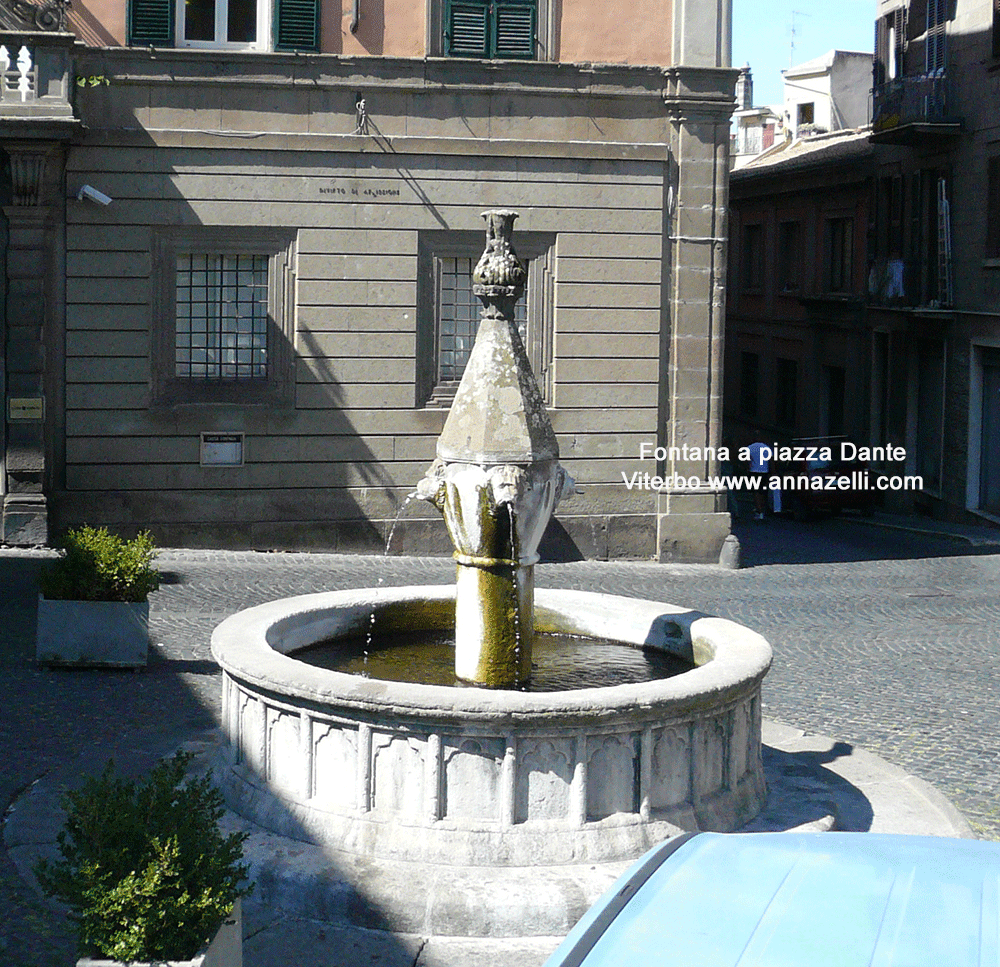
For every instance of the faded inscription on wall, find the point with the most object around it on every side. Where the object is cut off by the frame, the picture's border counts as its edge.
(356, 192)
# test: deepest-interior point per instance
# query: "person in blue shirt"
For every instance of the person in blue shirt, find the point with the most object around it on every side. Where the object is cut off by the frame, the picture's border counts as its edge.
(760, 456)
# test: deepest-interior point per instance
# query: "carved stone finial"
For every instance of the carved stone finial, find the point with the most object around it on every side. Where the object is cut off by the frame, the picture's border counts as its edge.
(499, 271)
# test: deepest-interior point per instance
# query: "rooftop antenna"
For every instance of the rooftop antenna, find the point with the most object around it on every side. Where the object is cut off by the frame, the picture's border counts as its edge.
(793, 31)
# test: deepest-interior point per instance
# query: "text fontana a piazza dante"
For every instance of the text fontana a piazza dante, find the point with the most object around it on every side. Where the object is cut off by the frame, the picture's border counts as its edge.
(782, 453)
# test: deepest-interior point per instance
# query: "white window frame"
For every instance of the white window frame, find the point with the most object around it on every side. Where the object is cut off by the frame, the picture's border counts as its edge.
(262, 43)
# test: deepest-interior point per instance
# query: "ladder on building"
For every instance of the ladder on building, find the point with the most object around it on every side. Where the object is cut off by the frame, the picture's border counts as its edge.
(945, 293)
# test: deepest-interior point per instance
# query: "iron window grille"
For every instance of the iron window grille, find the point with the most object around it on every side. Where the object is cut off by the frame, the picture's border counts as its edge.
(222, 317)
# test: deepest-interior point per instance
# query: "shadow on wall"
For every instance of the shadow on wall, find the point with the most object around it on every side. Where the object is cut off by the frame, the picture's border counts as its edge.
(134, 455)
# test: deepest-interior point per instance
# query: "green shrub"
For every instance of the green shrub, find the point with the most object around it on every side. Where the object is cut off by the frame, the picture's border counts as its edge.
(100, 566)
(144, 868)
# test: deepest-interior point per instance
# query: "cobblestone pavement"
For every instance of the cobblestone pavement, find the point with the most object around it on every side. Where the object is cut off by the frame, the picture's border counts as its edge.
(882, 638)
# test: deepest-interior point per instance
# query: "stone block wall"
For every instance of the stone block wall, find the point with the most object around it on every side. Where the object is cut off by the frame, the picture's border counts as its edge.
(189, 144)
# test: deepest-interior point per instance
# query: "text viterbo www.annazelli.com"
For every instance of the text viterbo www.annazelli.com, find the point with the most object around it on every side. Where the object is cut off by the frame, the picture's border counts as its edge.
(856, 480)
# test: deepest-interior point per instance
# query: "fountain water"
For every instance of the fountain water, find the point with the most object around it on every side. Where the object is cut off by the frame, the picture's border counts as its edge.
(491, 778)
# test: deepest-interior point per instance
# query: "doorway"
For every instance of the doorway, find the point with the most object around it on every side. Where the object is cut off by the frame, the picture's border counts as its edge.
(989, 453)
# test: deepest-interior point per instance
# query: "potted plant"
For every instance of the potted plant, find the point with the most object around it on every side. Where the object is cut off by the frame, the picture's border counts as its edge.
(93, 608)
(146, 872)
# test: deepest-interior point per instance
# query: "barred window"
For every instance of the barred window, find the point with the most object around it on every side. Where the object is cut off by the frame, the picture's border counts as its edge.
(448, 311)
(222, 317)
(458, 317)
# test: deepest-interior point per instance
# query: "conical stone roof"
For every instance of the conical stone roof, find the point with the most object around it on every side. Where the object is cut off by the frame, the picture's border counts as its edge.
(498, 415)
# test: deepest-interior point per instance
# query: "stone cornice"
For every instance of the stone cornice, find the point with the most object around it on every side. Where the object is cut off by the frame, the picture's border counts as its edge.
(327, 71)
(701, 93)
(360, 144)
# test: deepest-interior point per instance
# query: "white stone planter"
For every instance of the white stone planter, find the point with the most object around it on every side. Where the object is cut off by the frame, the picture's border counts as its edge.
(114, 633)
(224, 950)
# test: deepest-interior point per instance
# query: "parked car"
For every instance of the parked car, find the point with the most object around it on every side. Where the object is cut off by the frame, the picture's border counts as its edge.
(797, 900)
(827, 482)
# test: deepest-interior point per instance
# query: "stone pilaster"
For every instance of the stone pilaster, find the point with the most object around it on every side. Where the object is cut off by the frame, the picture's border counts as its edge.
(31, 244)
(692, 520)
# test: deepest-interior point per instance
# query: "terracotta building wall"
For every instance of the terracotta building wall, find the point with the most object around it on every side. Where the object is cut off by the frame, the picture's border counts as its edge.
(585, 31)
(635, 33)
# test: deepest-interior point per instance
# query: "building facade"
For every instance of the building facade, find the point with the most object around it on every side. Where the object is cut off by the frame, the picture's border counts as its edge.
(820, 96)
(238, 243)
(829, 93)
(935, 280)
(797, 338)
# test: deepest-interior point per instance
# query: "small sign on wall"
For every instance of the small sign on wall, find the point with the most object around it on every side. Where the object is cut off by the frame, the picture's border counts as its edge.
(25, 408)
(222, 449)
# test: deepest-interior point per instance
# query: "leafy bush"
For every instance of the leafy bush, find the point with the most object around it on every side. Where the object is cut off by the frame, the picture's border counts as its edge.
(144, 868)
(100, 566)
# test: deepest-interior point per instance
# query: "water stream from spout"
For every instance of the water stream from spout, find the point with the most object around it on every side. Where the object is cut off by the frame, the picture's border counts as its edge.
(515, 556)
(388, 542)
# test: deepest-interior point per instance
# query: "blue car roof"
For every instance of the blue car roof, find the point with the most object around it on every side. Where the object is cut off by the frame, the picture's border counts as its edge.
(797, 900)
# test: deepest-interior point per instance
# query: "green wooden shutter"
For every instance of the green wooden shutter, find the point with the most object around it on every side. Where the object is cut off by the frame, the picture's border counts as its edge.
(515, 26)
(467, 29)
(151, 23)
(296, 25)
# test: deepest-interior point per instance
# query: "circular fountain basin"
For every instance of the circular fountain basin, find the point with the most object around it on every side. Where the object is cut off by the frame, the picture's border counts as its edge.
(476, 777)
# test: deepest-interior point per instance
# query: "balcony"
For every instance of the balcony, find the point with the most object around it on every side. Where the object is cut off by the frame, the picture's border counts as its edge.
(911, 110)
(908, 283)
(36, 77)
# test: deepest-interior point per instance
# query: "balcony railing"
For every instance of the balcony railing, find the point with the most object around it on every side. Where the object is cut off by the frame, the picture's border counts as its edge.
(35, 74)
(922, 100)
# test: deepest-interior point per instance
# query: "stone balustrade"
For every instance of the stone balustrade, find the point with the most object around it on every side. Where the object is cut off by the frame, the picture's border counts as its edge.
(36, 75)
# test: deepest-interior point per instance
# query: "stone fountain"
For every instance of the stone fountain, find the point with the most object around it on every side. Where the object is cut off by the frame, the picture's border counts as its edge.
(462, 788)
(497, 478)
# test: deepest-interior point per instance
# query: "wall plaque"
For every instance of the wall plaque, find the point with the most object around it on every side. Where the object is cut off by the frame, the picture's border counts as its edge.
(25, 408)
(222, 449)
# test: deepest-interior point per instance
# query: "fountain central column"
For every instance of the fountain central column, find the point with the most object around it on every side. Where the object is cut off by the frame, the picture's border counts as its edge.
(497, 477)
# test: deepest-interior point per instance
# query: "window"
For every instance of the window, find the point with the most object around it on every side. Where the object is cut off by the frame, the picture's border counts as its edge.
(231, 24)
(840, 254)
(749, 380)
(491, 28)
(220, 23)
(789, 256)
(786, 392)
(448, 312)
(995, 34)
(222, 316)
(993, 210)
(889, 217)
(221, 310)
(457, 318)
(890, 46)
(937, 22)
(807, 113)
(753, 258)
